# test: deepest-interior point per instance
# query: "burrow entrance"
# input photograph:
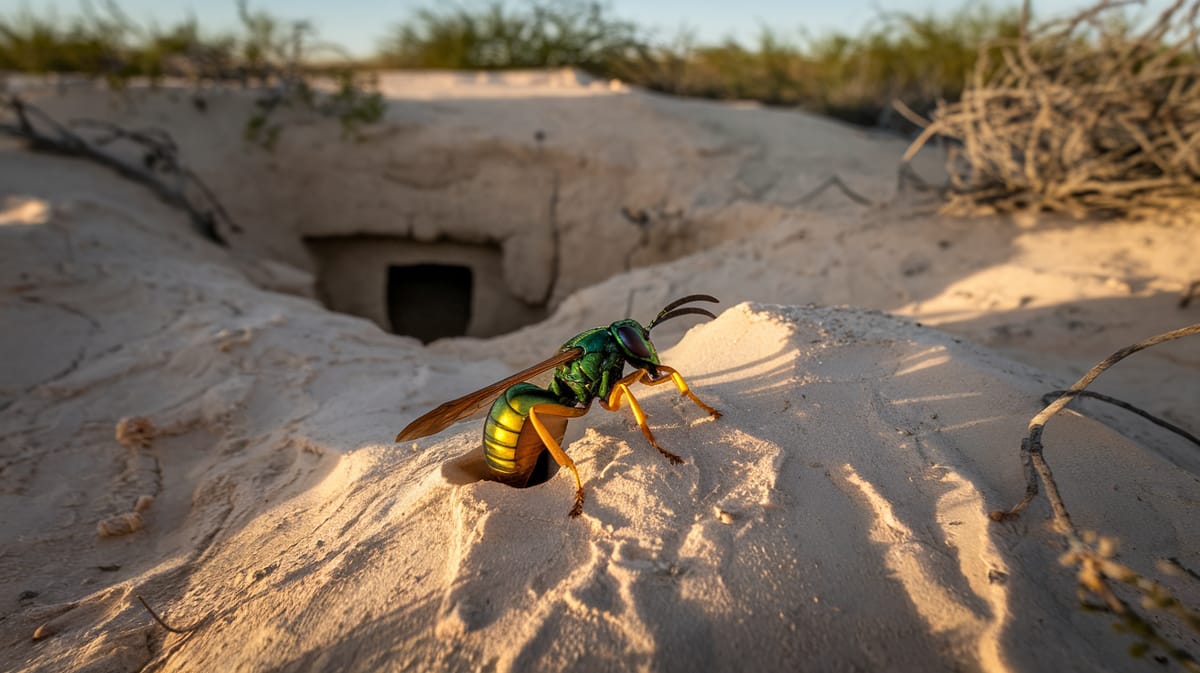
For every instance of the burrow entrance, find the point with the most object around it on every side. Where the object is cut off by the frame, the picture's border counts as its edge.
(425, 290)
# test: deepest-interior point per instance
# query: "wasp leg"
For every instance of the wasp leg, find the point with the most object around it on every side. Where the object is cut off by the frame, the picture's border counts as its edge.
(682, 385)
(556, 451)
(621, 389)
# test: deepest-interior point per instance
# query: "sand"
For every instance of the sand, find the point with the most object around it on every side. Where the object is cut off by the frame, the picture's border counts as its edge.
(876, 368)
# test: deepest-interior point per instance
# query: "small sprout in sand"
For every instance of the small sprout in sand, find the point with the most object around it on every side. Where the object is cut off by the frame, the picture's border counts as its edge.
(136, 432)
(1192, 290)
(121, 524)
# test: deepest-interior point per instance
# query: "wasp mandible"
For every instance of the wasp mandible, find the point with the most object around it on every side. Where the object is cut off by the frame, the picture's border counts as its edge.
(526, 420)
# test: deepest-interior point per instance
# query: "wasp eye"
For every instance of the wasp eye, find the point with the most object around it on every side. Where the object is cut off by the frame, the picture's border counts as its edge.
(633, 341)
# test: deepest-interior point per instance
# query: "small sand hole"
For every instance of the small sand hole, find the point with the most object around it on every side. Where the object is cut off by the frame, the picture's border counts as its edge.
(470, 468)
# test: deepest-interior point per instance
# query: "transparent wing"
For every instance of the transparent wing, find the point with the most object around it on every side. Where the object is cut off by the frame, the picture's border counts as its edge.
(441, 417)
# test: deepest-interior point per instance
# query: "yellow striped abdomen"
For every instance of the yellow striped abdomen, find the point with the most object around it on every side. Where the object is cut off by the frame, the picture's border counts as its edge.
(511, 446)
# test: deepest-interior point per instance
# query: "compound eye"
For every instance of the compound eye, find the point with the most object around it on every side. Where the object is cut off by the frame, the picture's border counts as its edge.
(633, 341)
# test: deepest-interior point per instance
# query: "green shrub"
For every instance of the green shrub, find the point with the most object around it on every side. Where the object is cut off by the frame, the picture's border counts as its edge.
(919, 59)
(542, 34)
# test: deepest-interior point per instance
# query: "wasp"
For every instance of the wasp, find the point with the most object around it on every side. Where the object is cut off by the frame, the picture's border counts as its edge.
(526, 421)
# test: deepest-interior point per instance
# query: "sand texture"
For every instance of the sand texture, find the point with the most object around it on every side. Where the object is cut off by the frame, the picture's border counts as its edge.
(188, 424)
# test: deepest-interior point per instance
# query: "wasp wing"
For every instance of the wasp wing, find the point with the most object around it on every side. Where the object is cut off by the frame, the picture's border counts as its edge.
(441, 417)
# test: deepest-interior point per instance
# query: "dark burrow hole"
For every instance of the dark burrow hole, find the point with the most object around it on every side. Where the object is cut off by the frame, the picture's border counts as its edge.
(429, 301)
(424, 290)
(545, 468)
(471, 467)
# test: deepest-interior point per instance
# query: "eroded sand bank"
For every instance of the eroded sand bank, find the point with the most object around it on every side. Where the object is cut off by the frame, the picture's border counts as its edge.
(834, 518)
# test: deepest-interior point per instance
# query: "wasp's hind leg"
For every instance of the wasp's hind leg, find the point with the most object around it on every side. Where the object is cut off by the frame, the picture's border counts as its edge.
(671, 375)
(621, 389)
(556, 451)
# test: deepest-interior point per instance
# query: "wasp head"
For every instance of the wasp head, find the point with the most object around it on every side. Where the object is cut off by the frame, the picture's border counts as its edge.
(634, 339)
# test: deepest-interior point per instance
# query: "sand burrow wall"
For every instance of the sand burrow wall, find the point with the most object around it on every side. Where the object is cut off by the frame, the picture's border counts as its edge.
(538, 196)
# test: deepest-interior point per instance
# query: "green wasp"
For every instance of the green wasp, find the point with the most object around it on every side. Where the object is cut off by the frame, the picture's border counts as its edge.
(526, 421)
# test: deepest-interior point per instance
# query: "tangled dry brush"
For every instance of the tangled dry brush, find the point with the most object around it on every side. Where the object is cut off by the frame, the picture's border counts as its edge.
(1083, 116)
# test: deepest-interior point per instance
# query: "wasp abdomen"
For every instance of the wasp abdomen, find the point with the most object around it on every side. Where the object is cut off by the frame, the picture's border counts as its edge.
(511, 446)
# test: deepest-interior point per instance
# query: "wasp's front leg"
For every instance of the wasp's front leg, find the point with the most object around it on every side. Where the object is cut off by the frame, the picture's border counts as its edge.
(621, 390)
(671, 375)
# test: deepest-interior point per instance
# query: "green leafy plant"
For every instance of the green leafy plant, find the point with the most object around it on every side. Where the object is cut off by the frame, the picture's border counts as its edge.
(494, 36)
(918, 59)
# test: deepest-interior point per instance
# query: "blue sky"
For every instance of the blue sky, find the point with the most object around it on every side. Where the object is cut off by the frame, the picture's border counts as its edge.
(358, 24)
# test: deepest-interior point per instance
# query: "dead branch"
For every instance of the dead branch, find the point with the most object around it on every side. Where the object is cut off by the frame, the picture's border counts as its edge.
(1031, 446)
(910, 114)
(1091, 555)
(160, 169)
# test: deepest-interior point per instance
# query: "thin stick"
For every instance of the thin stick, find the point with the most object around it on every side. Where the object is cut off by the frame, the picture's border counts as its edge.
(910, 114)
(167, 626)
(1051, 396)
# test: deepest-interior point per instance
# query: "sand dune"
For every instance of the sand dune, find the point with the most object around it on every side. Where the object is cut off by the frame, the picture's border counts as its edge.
(833, 519)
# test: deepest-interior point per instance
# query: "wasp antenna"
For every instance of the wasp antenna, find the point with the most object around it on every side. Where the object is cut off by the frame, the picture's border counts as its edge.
(672, 310)
(691, 310)
(689, 299)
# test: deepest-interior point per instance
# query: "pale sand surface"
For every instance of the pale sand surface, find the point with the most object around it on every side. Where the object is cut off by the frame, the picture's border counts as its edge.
(833, 519)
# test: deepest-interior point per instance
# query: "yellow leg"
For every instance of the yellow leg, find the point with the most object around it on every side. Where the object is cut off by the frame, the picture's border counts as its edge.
(556, 451)
(672, 375)
(621, 389)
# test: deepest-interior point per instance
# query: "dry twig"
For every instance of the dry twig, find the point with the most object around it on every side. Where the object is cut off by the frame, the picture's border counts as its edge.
(835, 181)
(1091, 555)
(160, 169)
(1167, 425)
(165, 625)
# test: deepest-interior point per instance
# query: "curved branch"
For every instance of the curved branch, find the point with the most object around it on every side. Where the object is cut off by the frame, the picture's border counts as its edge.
(160, 158)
